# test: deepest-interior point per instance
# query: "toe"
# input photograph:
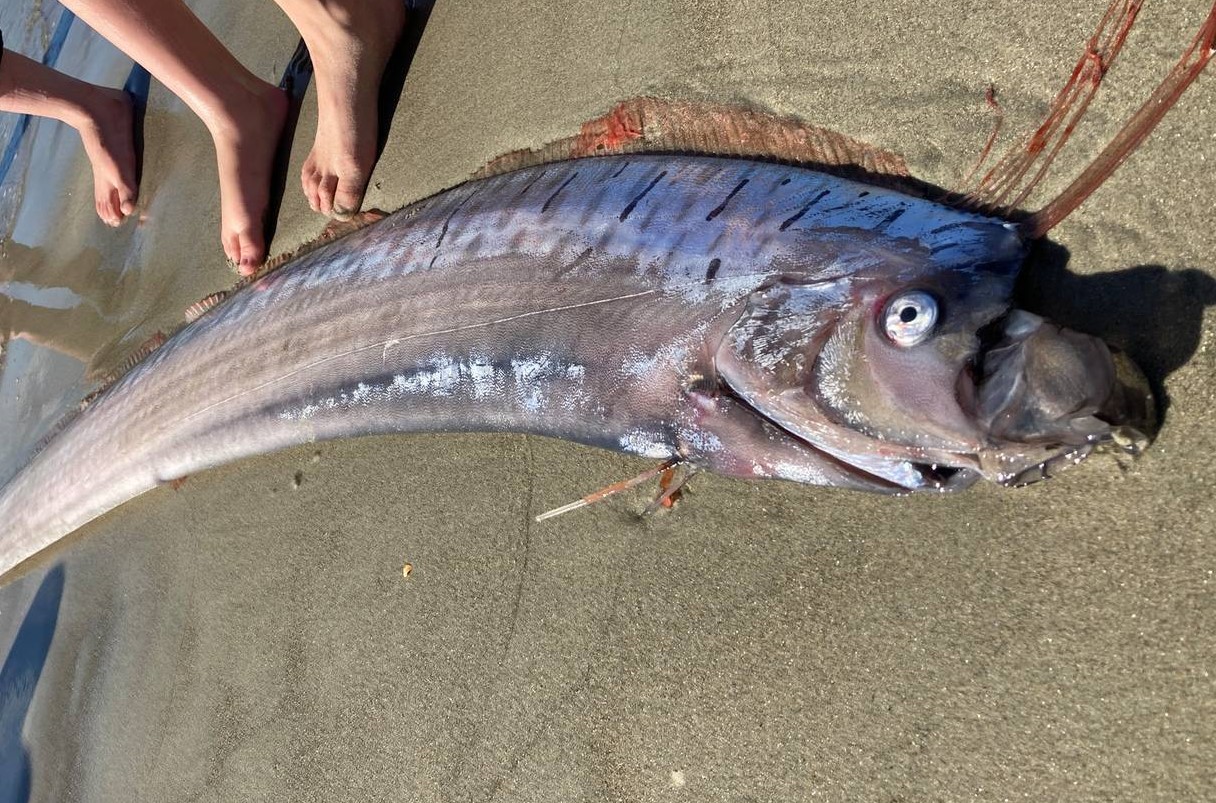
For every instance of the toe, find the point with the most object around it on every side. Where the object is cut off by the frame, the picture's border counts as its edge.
(116, 213)
(310, 180)
(253, 253)
(108, 208)
(349, 196)
(232, 247)
(325, 194)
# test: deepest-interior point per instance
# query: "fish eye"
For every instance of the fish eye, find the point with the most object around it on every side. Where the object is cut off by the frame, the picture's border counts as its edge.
(910, 317)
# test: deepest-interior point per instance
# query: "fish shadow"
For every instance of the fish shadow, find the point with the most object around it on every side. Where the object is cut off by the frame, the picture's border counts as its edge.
(18, 680)
(1151, 312)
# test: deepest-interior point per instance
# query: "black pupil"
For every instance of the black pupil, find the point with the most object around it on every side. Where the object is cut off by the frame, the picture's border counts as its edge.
(907, 314)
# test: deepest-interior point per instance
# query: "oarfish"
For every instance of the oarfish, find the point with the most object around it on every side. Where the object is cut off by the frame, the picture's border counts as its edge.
(754, 319)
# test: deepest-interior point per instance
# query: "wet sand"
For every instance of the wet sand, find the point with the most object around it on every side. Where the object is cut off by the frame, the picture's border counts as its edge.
(245, 639)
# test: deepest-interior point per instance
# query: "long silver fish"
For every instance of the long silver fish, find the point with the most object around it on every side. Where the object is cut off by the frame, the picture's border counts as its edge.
(753, 319)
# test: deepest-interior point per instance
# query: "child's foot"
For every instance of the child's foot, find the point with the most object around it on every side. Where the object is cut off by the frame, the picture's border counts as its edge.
(244, 150)
(350, 43)
(109, 141)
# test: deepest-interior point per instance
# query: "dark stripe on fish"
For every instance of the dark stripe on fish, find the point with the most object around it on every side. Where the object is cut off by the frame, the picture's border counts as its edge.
(798, 215)
(558, 191)
(448, 221)
(722, 206)
(633, 204)
(891, 218)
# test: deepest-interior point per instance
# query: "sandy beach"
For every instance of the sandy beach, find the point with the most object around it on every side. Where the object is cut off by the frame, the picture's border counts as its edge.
(243, 638)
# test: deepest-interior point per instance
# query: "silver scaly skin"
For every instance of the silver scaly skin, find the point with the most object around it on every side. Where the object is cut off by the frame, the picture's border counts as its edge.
(725, 312)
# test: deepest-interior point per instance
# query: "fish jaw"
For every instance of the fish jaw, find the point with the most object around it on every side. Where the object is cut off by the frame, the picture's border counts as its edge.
(1047, 397)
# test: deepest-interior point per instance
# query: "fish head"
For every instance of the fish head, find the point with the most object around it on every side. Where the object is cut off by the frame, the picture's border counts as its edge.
(917, 372)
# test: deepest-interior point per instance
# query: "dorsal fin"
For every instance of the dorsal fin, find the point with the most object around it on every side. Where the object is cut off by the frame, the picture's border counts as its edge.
(334, 230)
(155, 341)
(199, 308)
(652, 125)
(56, 428)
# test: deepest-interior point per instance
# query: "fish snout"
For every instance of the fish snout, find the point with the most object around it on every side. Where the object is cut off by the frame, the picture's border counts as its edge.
(1043, 387)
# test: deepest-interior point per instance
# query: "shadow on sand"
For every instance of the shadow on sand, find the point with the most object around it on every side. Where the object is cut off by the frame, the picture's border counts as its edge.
(1152, 312)
(19, 678)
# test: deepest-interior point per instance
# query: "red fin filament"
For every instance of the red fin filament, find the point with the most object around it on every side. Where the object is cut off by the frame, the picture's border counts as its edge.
(1006, 186)
(612, 490)
(1188, 67)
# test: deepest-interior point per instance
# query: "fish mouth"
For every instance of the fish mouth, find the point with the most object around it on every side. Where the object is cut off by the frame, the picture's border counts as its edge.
(1047, 397)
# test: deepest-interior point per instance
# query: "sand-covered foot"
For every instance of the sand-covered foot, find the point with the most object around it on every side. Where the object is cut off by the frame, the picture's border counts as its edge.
(350, 42)
(108, 134)
(245, 149)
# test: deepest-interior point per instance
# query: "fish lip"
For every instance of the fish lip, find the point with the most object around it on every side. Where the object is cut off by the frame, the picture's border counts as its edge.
(1047, 397)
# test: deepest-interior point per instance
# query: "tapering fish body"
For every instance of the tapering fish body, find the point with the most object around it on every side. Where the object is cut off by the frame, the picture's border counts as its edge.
(585, 300)
(749, 318)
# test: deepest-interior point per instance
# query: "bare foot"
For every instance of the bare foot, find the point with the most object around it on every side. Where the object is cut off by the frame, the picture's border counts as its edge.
(108, 136)
(350, 42)
(244, 150)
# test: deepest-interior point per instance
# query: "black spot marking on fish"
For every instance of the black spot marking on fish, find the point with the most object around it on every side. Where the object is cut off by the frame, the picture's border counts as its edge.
(784, 181)
(558, 191)
(722, 206)
(712, 271)
(444, 232)
(723, 233)
(798, 215)
(622, 170)
(891, 218)
(633, 204)
(863, 193)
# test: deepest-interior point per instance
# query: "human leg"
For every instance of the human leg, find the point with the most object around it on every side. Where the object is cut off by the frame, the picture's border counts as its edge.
(350, 42)
(243, 113)
(102, 116)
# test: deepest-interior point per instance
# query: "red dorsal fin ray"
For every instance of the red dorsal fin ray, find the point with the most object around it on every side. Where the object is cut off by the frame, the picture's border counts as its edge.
(652, 125)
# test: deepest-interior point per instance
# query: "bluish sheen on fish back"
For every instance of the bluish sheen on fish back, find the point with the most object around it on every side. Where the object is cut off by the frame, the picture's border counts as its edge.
(579, 300)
